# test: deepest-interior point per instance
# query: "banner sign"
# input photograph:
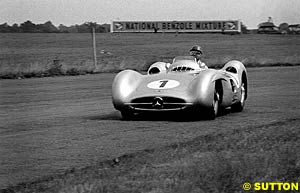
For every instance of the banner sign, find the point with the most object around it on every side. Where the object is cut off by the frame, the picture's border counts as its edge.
(176, 26)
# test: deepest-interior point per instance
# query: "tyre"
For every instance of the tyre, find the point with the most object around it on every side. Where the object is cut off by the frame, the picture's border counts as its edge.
(239, 106)
(214, 110)
(127, 115)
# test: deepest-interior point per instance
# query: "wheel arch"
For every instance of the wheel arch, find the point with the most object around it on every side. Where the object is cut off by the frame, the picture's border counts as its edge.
(158, 67)
(124, 84)
(219, 88)
(245, 81)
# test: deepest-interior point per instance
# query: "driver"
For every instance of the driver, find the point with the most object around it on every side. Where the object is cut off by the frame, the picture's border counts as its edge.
(197, 52)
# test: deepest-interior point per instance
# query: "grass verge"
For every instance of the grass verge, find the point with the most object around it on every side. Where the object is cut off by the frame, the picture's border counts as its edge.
(35, 55)
(56, 69)
(217, 162)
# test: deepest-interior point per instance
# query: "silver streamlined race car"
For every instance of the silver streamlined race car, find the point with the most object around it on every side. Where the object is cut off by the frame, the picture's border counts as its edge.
(181, 86)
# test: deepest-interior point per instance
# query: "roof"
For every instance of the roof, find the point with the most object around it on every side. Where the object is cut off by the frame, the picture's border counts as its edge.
(266, 24)
(294, 25)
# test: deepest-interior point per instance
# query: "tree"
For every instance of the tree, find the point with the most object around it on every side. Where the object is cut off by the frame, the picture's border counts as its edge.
(244, 28)
(15, 28)
(49, 27)
(5, 28)
(64, 29)
(28, 27)
(105, 28)
(284, 27)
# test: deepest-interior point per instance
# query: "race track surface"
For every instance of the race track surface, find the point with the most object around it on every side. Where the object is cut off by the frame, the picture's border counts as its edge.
(48, 125)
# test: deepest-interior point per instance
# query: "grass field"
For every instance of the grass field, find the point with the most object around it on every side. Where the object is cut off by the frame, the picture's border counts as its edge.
(29, 55)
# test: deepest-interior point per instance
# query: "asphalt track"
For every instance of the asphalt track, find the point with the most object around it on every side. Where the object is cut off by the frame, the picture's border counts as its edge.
(49, 125)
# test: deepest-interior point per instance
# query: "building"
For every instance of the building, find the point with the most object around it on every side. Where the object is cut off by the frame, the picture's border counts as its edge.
(294, 29)
(268, 28)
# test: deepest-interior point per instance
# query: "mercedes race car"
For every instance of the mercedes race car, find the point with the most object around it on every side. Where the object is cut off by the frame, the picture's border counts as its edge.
(181, 86)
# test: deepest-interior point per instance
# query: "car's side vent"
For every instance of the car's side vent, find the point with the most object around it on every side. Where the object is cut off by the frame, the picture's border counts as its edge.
(231, 69)
(182, 69)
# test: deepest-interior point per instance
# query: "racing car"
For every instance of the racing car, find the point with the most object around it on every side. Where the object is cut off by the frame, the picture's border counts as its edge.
(181, 86)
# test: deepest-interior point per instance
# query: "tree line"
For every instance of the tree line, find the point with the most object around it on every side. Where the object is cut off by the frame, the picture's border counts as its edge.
(48, 27)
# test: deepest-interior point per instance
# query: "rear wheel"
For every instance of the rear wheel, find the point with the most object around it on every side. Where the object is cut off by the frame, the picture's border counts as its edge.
(238, 107)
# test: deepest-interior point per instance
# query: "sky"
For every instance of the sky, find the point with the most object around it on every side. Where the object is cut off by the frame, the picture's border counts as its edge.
(71, 12)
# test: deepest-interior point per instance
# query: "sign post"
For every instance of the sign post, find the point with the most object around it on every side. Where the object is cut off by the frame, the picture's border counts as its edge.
(94, 48)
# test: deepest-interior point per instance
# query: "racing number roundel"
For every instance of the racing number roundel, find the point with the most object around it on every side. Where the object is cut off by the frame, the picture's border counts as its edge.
(163, 84)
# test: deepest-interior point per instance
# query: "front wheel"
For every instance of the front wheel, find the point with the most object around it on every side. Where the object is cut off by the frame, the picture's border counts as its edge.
(127, 115)
(214, 110)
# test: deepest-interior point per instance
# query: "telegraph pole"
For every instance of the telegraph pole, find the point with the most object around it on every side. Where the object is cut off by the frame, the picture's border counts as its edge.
(94, 48)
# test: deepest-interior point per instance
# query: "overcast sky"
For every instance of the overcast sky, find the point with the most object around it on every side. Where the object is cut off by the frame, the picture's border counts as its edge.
(69, 12)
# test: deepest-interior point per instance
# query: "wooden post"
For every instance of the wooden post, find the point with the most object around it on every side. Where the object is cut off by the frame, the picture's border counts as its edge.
(94, 47)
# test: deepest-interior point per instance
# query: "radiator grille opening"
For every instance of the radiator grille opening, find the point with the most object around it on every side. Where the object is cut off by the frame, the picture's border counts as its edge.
(163, 103)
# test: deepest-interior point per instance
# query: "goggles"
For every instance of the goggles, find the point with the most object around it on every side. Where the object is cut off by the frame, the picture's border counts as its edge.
(195, 53)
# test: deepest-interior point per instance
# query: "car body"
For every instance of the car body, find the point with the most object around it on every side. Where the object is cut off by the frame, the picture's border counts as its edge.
(181, 86)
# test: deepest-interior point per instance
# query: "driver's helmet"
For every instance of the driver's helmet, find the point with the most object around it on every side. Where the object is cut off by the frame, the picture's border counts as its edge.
(196, 51)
